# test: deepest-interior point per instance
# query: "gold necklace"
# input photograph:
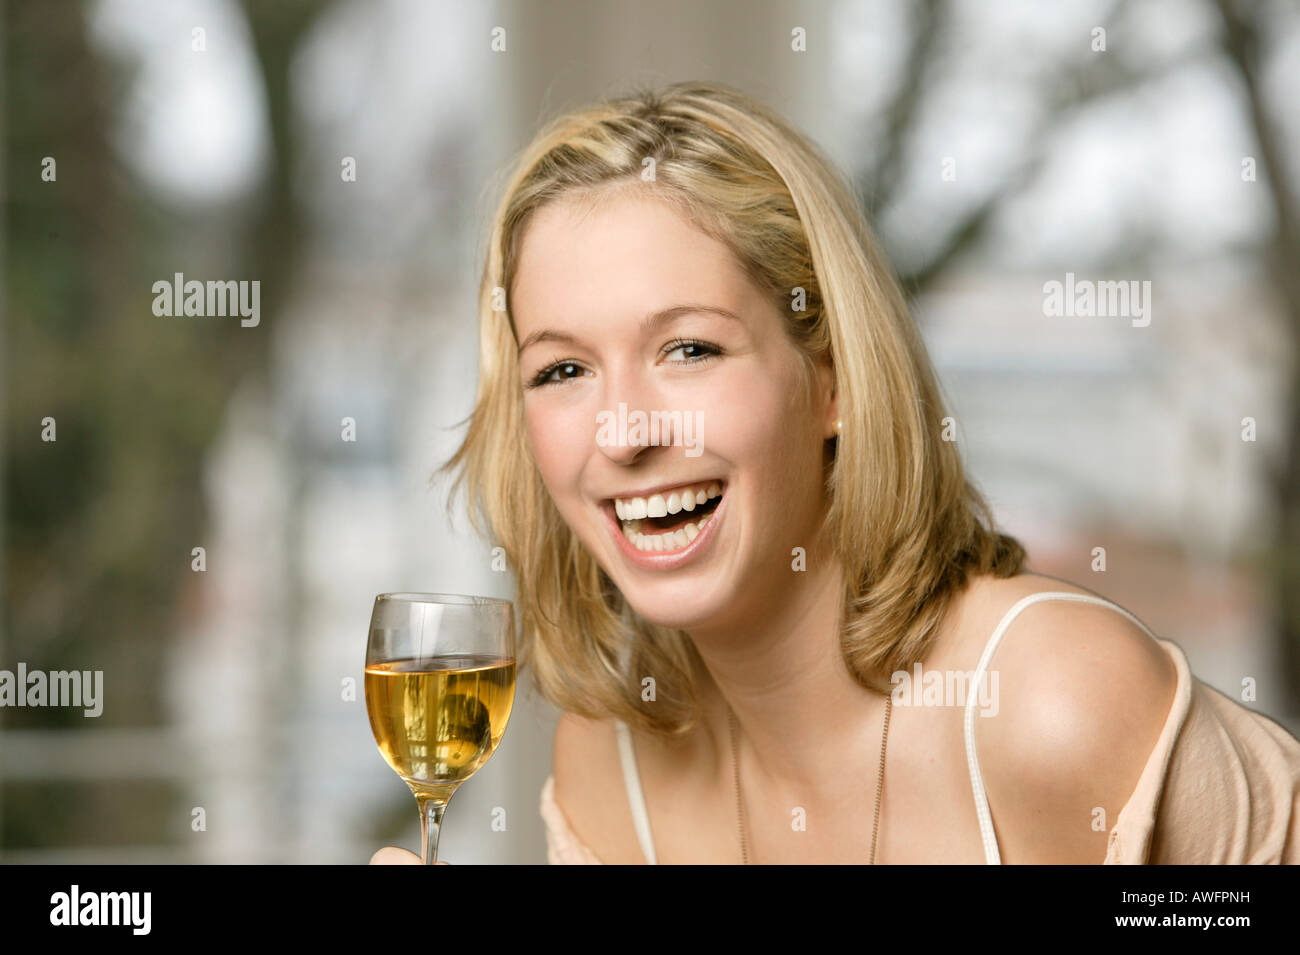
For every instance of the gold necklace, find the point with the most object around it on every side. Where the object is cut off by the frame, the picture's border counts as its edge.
(740, 807)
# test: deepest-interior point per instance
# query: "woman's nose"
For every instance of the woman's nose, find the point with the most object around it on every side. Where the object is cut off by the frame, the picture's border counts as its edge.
(622, 431)
(631, 420)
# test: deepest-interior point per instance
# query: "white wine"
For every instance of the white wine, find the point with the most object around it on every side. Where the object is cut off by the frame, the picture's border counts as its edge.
(438, 720)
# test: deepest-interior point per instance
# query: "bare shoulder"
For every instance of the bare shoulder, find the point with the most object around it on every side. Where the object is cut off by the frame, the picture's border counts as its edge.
(1082, 694)
(590, 791)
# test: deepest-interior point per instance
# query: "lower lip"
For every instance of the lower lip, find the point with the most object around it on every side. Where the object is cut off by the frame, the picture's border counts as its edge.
(657, 559)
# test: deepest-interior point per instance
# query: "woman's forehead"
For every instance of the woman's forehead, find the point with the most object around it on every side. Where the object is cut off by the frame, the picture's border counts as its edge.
(622, 258)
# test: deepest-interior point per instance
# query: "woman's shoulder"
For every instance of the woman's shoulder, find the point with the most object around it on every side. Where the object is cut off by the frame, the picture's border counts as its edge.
(590, 789)
(1082, 695)
(1092, 644)
(563, 845)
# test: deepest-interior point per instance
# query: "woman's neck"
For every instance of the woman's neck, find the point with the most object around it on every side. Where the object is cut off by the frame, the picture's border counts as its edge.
(783, 675)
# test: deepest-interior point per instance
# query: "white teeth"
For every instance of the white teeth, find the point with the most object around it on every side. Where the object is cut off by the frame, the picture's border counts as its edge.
(675, 540)
(632, 511)
(659, 505)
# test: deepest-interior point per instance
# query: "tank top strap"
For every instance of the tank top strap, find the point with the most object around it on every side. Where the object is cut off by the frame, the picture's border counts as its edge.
(991, 854)
(635, 794)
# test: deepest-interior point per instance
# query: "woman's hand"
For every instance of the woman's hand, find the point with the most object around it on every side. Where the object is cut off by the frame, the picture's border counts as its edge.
(391, 855)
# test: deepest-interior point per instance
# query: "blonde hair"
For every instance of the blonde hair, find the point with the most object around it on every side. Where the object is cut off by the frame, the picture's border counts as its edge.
(907, 525)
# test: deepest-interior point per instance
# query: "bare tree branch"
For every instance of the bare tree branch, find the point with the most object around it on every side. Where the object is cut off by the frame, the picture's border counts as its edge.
(881, 180)
(1242, 42)
(1093, 80)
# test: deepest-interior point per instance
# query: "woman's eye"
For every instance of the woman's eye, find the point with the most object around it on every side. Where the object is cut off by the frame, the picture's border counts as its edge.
(693, 351)
(557, 373)
(567, 371)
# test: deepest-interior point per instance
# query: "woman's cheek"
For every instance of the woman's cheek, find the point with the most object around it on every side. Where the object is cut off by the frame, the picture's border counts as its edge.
(558, 441)
(736, 430)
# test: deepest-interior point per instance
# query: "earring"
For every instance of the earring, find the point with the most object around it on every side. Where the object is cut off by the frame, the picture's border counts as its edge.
(839, 423)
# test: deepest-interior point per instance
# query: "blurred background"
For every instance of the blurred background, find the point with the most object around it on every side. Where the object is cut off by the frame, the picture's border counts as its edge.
(996, 146)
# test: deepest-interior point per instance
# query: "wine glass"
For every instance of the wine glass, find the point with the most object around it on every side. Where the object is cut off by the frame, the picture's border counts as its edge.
(440, 684)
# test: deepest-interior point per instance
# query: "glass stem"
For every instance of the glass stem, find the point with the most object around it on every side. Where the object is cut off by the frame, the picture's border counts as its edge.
(431, 810)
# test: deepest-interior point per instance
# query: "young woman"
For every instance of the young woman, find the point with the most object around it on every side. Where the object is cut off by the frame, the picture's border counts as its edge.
(778, 617)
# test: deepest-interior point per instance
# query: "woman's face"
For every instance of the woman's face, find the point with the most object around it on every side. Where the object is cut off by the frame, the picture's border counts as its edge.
(630, 316)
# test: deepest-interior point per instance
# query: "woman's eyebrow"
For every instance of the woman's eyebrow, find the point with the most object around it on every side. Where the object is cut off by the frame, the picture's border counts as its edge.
(545, 335)
(647, 324)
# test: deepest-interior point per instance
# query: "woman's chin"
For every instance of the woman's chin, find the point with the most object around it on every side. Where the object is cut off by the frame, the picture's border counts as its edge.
(675, 612)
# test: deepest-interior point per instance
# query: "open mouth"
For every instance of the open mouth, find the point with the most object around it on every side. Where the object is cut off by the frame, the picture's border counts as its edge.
(668, 521)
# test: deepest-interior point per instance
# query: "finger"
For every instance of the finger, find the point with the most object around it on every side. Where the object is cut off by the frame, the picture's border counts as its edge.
(391, 855)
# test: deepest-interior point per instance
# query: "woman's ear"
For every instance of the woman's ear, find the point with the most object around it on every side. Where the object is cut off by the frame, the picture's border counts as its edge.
(829, 398)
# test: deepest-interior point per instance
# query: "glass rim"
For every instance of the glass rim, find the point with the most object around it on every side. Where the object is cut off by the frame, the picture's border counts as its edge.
(450, 599)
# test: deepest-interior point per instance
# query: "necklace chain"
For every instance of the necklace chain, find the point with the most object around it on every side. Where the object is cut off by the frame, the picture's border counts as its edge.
(740, 804)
